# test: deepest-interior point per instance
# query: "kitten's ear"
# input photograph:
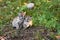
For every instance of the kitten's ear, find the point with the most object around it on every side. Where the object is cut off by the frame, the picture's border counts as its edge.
(24, 13)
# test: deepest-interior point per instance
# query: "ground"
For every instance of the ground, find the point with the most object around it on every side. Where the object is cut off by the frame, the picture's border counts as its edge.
(32, 33)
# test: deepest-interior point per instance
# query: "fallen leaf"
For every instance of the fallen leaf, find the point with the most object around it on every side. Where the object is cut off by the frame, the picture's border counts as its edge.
(30, 23)
(58, 37)
(0, 0)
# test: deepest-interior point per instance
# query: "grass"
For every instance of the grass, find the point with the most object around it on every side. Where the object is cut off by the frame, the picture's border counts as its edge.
(45, 12)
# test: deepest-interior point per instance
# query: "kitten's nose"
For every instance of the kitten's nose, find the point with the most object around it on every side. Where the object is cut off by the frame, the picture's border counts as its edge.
(14, 27)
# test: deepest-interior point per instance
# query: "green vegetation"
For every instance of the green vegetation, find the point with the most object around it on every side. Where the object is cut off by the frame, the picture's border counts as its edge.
(45, 12)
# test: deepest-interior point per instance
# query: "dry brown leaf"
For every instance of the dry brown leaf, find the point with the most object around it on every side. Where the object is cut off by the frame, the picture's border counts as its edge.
(58, 37)
(1, 0)
(2, 38)
(30, 23)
